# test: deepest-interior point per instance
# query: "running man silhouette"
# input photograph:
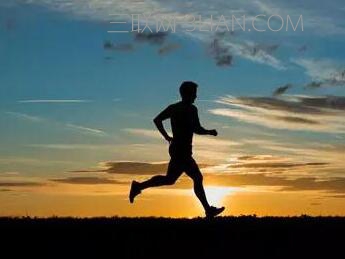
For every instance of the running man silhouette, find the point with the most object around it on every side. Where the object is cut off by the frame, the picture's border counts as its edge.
(185, 122)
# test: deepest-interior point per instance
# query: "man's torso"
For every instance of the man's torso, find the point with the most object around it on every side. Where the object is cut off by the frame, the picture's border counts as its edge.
(183, 119)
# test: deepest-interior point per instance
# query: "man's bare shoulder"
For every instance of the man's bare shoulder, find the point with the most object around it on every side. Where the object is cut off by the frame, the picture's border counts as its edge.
(174, 105)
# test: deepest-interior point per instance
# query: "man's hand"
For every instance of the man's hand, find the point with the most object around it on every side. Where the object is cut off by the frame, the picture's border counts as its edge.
(213, 132)
(168, 138)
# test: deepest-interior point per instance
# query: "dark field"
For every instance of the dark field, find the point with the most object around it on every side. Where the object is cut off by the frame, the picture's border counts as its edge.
(223, 237)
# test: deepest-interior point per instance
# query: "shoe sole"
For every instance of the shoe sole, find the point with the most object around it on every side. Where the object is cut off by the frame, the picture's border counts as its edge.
(215, 215)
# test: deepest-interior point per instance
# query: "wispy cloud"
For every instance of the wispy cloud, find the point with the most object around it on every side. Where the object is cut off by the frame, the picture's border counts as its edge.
(5, 190)
(86, 129)
(8, 174)
(152, 37)
(108, 45)
(280, 165)
(79, 128)
(324, 72)
(282, 89)
(256, 53)
(25, 116)
(339, 196)
(320, 114)
(220, 52)
(138, 168)
(21, 184)
(314, 162)
(102, 9)
(334, 185)
(284, 160)
(168, 48)
(319, 21)
(130, 168)
(88, 180)
(330, 185)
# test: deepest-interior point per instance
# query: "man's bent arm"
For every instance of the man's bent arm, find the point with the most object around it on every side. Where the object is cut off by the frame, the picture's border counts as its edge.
(159, 122)
(202, 131)
(198, 129)
(161, 129)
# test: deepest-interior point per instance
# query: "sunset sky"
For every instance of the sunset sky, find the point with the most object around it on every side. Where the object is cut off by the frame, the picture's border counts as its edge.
(77, 103)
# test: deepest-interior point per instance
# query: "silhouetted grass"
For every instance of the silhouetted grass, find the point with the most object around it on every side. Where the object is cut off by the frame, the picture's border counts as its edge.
(226, 237)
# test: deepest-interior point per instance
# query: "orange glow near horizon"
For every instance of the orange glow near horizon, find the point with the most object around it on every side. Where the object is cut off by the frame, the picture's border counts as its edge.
(170, 203)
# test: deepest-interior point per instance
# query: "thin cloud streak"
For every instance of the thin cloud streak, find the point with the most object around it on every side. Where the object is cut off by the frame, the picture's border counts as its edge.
(79, 128)
(86, 129)
(21, 184)
(25, 116)
(88, 180)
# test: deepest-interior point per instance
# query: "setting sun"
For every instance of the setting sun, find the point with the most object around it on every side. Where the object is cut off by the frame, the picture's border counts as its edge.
(217, 194)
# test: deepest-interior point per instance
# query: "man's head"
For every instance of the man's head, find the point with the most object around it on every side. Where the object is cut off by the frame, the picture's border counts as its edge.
(188, 91)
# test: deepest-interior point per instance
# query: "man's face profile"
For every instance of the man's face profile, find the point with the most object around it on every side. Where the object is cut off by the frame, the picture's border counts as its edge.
(188, 91)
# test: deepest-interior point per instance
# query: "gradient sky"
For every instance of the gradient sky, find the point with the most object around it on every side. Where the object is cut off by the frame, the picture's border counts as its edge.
(77, 105)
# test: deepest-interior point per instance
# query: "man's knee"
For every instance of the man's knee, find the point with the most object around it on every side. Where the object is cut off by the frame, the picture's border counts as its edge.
(170, 180)
(198, 178)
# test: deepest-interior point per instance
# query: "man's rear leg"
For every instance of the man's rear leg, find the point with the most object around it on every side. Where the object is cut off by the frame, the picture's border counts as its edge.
(155, 181)
(173, 174)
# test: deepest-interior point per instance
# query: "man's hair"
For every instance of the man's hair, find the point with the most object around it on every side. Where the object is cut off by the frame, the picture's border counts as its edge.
(187, 87)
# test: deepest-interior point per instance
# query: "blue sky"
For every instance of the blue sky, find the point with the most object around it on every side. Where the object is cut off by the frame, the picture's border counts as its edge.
(70, 103)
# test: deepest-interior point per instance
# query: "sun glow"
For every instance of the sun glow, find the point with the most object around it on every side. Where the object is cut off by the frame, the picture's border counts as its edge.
(215, 194)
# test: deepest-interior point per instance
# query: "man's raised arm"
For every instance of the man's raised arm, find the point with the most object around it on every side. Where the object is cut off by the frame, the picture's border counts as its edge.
(165, 114)
(198, 129)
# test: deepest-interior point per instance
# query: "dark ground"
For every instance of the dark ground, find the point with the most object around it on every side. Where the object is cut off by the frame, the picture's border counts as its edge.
(223, 237)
